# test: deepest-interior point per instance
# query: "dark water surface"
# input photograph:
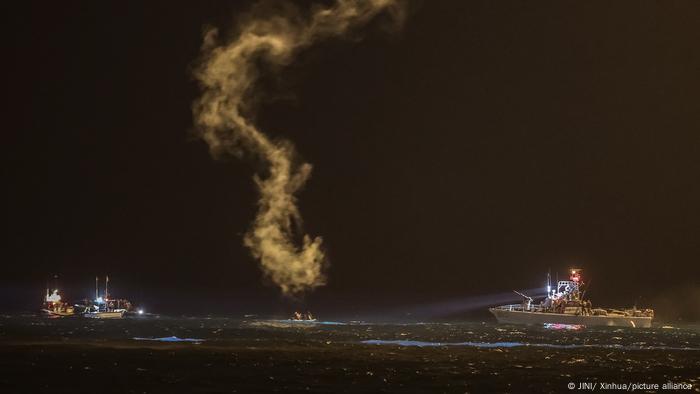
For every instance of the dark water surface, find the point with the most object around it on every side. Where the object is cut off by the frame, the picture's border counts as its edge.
(203, 355)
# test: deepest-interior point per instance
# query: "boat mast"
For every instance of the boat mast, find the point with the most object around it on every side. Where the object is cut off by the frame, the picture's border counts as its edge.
(97, 286)
(107, 287)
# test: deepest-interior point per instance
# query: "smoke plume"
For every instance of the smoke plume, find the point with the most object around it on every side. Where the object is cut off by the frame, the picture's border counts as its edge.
(227, 72)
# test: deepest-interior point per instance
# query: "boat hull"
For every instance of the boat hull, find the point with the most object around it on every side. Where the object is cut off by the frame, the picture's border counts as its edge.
(51, 313)
(105, 315)
(524, 317)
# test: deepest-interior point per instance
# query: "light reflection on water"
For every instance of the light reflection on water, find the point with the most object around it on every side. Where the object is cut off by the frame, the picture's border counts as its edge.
(516, 344)
(228, 331)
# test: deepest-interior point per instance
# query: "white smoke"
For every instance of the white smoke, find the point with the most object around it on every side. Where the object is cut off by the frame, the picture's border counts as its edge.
(227, 74)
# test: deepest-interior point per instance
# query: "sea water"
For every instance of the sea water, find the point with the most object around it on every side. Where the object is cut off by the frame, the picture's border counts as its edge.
(208, 354)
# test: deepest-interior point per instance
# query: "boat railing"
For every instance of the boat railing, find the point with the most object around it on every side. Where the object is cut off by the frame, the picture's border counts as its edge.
(520, 308)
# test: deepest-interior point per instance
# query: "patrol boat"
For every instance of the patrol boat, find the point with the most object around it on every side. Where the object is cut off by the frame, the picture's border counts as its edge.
(566, 305)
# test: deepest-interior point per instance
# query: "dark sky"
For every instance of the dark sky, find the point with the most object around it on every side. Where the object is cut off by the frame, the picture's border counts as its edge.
(465, 155)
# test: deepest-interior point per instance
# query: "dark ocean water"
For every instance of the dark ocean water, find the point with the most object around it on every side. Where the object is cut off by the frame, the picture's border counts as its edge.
(193, 355)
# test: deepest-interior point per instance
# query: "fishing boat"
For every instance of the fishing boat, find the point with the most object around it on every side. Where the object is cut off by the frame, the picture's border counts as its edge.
(566, 304)
(104, 307)
(55, 307)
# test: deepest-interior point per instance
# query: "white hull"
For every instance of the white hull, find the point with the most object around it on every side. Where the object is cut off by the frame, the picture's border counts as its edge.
(105, 315)
(525, 317)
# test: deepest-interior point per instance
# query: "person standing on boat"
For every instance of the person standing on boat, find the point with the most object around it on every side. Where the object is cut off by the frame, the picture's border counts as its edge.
(547, 304)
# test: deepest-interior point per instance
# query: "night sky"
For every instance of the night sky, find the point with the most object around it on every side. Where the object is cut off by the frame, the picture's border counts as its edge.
(464, 155)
